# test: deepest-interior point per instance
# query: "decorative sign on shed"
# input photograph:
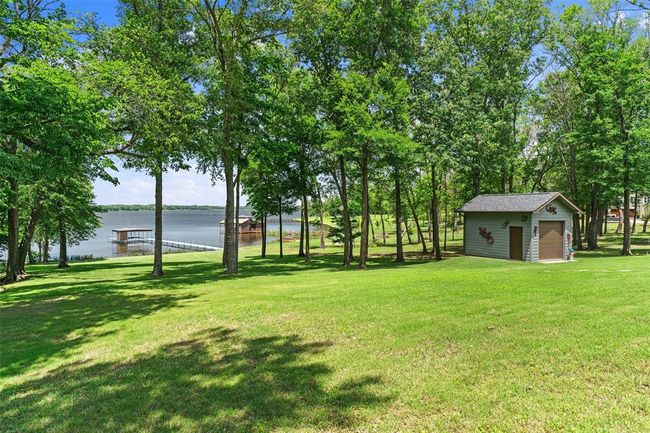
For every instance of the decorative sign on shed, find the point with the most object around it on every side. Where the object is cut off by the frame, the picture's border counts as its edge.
(551, 209)
(485, 234)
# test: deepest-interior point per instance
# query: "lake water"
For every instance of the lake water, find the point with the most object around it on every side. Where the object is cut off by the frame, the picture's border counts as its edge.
(190, 226)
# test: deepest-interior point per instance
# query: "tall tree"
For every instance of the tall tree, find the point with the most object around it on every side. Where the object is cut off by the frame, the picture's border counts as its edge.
(609, 67)
(74, 211)
(51, 126)
(151, 52)
(229, 33)
(481, 58)
(41, 103)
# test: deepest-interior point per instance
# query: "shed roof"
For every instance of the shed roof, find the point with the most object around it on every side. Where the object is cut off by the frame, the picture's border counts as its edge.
(241, 220)
(531, 202)
(132, 229)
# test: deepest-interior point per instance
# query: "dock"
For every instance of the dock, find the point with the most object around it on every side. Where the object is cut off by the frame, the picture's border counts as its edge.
(168, 243)
(127, 236)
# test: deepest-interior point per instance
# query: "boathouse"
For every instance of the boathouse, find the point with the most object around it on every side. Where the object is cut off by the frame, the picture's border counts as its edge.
(246, 224)
(530, 227)
(124, 234)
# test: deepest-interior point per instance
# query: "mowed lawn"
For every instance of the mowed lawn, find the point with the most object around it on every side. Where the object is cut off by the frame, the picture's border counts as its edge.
(463, 345)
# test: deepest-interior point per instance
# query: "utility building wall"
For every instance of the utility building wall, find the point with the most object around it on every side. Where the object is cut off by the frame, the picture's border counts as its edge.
(487, 234)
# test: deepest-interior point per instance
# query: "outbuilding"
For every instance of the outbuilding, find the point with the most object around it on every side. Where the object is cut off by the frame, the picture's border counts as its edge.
(530, 227)
(246, 225)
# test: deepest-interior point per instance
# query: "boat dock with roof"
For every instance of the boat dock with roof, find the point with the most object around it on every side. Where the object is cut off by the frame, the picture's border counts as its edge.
(139, 235)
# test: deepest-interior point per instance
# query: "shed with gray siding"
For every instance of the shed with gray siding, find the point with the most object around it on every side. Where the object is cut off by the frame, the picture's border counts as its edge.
(531, 227)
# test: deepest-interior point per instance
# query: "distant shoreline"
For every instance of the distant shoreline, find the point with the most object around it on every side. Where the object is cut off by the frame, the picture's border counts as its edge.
(146, 207)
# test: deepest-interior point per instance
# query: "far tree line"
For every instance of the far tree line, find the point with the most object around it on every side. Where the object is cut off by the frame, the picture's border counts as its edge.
(356, 109)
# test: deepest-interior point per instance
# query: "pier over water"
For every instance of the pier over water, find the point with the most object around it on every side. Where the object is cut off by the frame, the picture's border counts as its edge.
(138, 235)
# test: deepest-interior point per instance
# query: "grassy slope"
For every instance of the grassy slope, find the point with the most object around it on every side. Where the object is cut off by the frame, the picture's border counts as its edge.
(467, 344)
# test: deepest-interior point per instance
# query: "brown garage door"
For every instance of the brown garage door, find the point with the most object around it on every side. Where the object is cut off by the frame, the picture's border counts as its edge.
(551, 240)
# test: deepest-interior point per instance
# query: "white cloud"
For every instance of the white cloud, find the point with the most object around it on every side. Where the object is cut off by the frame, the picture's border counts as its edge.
(644, 22)
(183, 187)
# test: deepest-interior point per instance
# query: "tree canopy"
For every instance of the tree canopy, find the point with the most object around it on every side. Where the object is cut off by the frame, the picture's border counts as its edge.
(396, 109)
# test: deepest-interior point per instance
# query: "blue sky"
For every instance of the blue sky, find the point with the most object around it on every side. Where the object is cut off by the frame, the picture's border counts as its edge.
(186, 187)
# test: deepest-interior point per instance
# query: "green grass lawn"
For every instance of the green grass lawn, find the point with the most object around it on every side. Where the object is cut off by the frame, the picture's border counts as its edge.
(463, 345)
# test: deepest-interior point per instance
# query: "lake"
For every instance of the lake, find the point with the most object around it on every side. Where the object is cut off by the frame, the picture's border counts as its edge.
(190, 226)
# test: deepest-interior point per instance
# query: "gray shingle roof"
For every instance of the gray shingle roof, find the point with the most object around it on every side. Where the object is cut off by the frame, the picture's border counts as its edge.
(513, 202)
(242, 220)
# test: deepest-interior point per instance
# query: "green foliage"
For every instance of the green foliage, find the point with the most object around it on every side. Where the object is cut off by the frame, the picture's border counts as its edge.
(56, 121)
(594, 135)
(31, 30)
(336, 232)
(147, 71)
(71, 203)
(288, 100)
(475, 68)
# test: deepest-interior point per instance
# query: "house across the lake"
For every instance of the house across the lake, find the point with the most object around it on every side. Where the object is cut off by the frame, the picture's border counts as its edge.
(246, 224)
(531, 227)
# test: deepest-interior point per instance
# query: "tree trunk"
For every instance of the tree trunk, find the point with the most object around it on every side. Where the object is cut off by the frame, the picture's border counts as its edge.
(434, 212)
(399, 249)
(301, 247)
(320, 215)
(46, 251)
(30, 254)
(446, 222)
(347, 224)
(636, 210)
(621, 221)
(627, 227)
(411, 202)
(305, 201)
(63, 243)
(577, 232)
(591, 226)
(365, 209)
(264, 236)
(230, 241)
(280, 221)
(601, 218)
(236, 230)
(40, 251)
(645, 222)
(408, 232)
(158, 223)
(25, 246)
(11, 274)
(383, 227)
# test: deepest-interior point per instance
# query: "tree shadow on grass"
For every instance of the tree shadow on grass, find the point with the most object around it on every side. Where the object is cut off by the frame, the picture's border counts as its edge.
(183, 273)
(215, 381)
(52, 323)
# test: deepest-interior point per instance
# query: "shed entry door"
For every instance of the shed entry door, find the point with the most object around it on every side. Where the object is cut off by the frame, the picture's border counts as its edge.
(516, 243)
(551, 240)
